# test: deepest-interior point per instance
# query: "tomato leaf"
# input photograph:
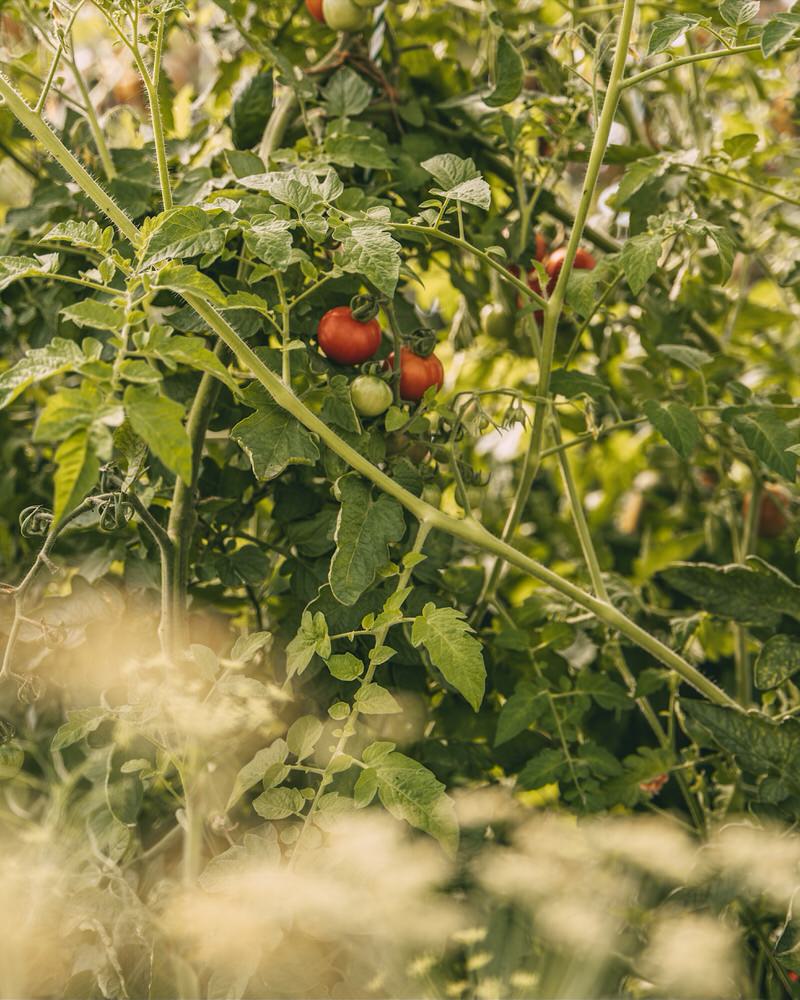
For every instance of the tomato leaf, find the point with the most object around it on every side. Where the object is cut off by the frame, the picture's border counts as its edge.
(271, 438)
(412, 793)
(158, 421)
(453, 649)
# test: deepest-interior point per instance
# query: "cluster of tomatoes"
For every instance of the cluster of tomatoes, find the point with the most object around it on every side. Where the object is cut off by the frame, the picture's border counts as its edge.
(349, 340)
(342, 15)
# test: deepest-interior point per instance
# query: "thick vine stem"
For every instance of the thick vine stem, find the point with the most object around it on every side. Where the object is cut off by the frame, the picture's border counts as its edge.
(467, 530)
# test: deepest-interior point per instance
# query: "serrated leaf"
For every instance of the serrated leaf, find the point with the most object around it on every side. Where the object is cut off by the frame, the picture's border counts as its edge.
(270, 240)
(68, 411)
(778, 32)
(79, 724)
(95, 314)
(571, 383)
(271, 438)
(251, 111)
(312, 637)
(736, 12)
(412, 793)
(459, 180)
(543, 769)
(14, 268)
(690, 357)
(636, 175)
(668, 29)
(302, 190)
(453, 649)
(519, 712)
(82, 234)
(372, 699)
(158, 421)
(509, 72)
(364, 530)
(187, 231)
(778, 660)
(278, 803)
(369, 250)
(737, 592)
(640, 256)
(182, 278)
(677, 423)
(59, 356)
(345, 666)
(766, 434)
(347, 94)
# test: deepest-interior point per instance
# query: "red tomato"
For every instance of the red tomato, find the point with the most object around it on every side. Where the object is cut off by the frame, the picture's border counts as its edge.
(541, 247)
(584, 261)
(314, 8)
(346, 340)
(417, 373)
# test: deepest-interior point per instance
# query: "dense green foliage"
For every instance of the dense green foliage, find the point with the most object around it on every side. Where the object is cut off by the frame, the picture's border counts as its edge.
(246, 607)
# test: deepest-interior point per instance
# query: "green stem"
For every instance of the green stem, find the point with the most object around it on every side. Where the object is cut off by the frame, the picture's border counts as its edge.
(157, 122)
(646, 74)
(555, 304)
(741, 181)
(467, 530)
(286, 359)
(94, 124)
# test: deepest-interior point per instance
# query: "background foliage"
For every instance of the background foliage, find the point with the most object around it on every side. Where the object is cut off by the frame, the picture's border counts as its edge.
(546, 618)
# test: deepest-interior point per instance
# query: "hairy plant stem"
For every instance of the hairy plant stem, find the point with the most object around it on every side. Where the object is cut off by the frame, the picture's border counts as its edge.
(469, 531)
(555, 304)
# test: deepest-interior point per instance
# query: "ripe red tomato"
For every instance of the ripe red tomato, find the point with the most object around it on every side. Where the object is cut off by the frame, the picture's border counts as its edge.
(584, 261)
(773, 513)
(346, 340)
(417, 373)
(541, 247)
(314, 8)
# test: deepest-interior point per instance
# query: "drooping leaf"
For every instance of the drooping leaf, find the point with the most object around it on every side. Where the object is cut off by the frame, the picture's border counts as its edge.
(59, 356)
(509, 71)
(737, 592)
(79, 724)
(640, 256)
(459, 180)
(251, 111)
(364, 530)
(303, 735)
(270, 240)
(763, 431)
(411, 792)
(187, 231)
(14, 268)
(271, 438)
(368, 249)
(96, 314)
(519, 712)
(82, 234)
(677, 423)
(669, 29)
(778, 32)
(453, 649)
(77, 468)
(158, 421)
(312, 637)
(778, 660)
(346, 94)
(183, 278)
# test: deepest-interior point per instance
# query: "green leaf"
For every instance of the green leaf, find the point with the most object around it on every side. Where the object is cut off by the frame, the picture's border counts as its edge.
(278, 803)
(345, 667)
(677, 423)
(158, 421)
(759, 745)
(737, 592)
(95, 314)
(183, 278)
(11, 760)
(519, 712)
(312, 637)
(411, 792)
(689, 357)
(766, 434)
(778, 32)
(736, 12)
(582, 292)
(270, 240)
(192, 351)
(255, 769)
(571, 383)
(68, 411)
(251, 111)
(59, 356)
(364, 530)
(83, 234)
(640, 256)
(337, 407)
(187, 231)
(368, 249)
(741, 145)
(459, 180)
(668, 29)
(347, 94)
(79, 724)
(636, 175)
(778, 660)
(543, 769)
(302, 190)
(453, 649)
(14, 268)
(372, 699)
(77, 468)
(271, 438)
(509, 72)
(303, 735)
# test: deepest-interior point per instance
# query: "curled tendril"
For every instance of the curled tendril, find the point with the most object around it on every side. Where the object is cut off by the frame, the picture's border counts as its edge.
(35, 521)
(30, 690)
(114, 512)
(7, 732)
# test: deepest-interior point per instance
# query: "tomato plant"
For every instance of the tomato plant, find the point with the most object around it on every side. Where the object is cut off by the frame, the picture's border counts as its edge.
(323, 674)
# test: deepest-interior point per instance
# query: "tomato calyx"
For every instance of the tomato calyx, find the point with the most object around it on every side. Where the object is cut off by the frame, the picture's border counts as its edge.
(364, 307)
(421, 342)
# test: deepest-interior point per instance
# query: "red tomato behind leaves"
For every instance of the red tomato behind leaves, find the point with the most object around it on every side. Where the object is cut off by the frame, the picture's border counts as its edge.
(773, 511)
(345, 340)
(584, 261)
(417, 373)
(314, 8)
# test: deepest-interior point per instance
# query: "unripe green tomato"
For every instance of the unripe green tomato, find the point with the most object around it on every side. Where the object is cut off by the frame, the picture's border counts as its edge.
(371, 395)
(344, 15)
(496, 322)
